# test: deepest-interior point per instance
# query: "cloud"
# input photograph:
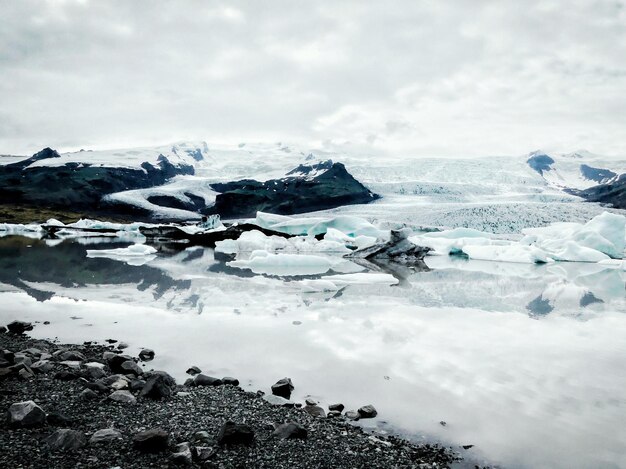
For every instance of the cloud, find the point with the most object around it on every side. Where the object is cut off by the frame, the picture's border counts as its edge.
(422, 78)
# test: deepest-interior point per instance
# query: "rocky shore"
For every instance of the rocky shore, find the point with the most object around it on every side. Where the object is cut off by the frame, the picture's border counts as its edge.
(93, 406)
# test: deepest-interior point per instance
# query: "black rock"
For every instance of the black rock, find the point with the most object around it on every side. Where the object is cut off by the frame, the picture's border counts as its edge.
(231, 381)
(202, 453)
(105, 435)
(182, 456)
(367, 412)
(71, 355)
(58, 420)
(159, 385)
(352, 415)
(8, 356)
(314, 411)
(151, 441)
(88, 394)
(129, 367)
(19, 327)
(290, 431)
(98, 387)
(337, 407)
(194, 370)
(136, 385)
(235, 434)
(65, 376)
(283, 388)
(25, 414)
(65, 439)
(115, 362)
(204, 380)
(333, 414)
(397, 249)
(146, 355)
(3, 329)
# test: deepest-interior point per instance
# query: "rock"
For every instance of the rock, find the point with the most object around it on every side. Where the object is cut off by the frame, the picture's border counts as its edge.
(125, 397)
(65, 439)
(397, 249)
(136, 384)
(115, 362)
(182, 456)
(5, 373)
(188, 382)
(25, 414)
(277, 400)
(42, 366)
(94, 373)
(194, 370)
(119, 384)
(283, 388)
(337, 407)
(367, 412)
(230, 380)
(98, 387)
(290, 431)
(8, 356)
(3, 329)
(87, 394)
(71, 355)
(204, 380)
(130, 367)
(105, 435)
(106, 356)
(151, 441)
(26, 373)
(352, 415)
(203, 437)
(159, 385)
(19, 327)
(146, 355)
(333, 414)
(122, 345)
(204, 452)
(22, 358)
(65, 376)
(315, 411)
(59, 420)
(235, 434)
(71, 364)
(310, 401)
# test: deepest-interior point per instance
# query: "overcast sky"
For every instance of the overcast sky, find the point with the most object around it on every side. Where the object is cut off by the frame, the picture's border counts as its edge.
(418, 78)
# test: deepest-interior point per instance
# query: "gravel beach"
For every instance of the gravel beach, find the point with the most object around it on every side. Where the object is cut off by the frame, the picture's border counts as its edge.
(91, 406)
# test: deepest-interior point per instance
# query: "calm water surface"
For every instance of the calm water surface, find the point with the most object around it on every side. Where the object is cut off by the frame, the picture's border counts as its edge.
(527, 363)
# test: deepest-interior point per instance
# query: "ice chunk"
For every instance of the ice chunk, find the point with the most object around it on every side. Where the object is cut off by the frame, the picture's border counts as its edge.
(135, 250)
(572, 252)
(263, 262)
(353, 226)
(336, 282)
(54, 222)
(511, 253)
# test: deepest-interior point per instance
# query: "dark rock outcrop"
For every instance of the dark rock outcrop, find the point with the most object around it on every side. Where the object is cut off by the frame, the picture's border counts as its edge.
(305, 189)
(151, 441)
(613, 193)
(159, 385)
(540, 162)
(19, 327)
(397, 249)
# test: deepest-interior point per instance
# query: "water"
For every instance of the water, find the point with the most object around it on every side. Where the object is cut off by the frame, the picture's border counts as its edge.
(525, 362)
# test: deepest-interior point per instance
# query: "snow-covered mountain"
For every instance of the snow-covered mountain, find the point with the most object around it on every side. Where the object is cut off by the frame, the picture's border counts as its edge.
(501, 193)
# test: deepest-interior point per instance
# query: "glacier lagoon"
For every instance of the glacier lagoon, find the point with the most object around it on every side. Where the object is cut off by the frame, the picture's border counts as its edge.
(523, 361)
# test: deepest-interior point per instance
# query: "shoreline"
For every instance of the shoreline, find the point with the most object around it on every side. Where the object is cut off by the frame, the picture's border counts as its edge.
(77, 382)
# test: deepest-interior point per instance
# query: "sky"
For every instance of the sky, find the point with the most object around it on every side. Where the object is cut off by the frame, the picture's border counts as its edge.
(404, 78)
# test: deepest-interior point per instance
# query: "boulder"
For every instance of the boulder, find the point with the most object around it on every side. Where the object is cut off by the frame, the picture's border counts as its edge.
(42, 366)
(336, 407)
(88, 395)
(290, 431)
(182, 456)
(194, 370)
(235, 434)
(283, 388)
(129, 367)
(57, 419)
(204, 380)
(159, 385)
(98, 387)
(65, 439)
(352, 415)
(230, 380)
(314, 411)
(204, 452)
(125, 397)
(277, 400)
(71, 355)
(146, 355)
(19, 327)
(25, 414)
(106, 435)
(136, 385)
(333, 414)
(154, 440)
(115, 362)
(367, 412)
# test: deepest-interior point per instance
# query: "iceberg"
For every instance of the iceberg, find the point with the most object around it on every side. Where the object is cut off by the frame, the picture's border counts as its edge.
(263, 262)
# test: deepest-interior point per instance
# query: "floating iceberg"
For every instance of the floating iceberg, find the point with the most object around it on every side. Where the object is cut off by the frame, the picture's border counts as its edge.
(137, 254)
(337, 282)
(263, 262)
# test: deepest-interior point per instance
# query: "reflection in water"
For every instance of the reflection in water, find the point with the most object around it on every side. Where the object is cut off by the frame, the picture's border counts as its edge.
(535, 350)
